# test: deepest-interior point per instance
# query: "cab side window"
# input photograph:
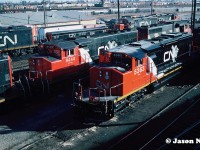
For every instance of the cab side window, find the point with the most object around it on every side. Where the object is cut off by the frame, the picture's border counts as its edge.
(71, 52)
(139, 62)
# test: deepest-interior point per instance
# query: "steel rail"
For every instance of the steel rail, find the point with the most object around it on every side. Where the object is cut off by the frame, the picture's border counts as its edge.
(153, 117)
(170, 124)
(45, 136)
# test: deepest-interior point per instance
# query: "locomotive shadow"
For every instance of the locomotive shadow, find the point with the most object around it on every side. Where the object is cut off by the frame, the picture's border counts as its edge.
(190, 75)
(138, 139)
(46, 114)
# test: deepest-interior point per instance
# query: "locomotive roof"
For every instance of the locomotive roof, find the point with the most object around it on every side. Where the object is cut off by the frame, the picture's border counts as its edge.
(133, 51)
(83, 41)
(159, 25)
(13, 28)
(140, 48)
(65, 45)
(164, 39)
(47, 57)
(78, 30)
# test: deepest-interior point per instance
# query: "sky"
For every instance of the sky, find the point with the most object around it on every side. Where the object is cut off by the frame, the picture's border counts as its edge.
(17, 1)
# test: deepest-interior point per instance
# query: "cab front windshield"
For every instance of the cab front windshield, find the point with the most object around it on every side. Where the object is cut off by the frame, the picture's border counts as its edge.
(119, 61)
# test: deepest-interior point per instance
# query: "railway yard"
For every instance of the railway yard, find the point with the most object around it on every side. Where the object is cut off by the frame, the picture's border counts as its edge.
(50, 123)
(132, 83)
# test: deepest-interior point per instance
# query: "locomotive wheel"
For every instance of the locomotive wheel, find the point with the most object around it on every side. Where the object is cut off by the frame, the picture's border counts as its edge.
(110, 110)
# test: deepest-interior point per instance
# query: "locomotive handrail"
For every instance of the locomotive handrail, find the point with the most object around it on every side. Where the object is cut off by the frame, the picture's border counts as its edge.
(48, 80)
(41, 81)
(40, 73)
(48, 72)
(114, 87)
(29, 89)
(75, 83)
(104, 90)
(33, 72)
(22, 88)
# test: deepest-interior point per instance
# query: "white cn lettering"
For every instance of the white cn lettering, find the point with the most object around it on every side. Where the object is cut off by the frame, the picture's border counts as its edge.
(100, 48)
(6, 38)
(145, 23)
(72, 35)
(99, 84)
(171, 54)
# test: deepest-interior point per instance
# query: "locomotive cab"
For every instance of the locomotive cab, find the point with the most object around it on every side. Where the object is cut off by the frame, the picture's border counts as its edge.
(60, 59)
(123, 69)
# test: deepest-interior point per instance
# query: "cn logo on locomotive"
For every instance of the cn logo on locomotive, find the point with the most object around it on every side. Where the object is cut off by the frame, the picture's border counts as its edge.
(7, 38)
(102, 85)
(109, 45)
(172, 54)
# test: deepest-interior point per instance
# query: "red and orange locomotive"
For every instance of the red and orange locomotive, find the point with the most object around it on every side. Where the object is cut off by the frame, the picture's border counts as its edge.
(126, 72)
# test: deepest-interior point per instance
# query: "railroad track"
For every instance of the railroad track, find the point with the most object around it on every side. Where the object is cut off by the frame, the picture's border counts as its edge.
(45, 136)
(189, 137)
(158, 135)
(61, 134)
(65, 135)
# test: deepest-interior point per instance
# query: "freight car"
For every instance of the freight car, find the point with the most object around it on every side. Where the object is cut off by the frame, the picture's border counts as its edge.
(125, 23)
(196, 38)
(74, 34)
(132, 23)
(167, 17)
(128, 23)
(16, 39)
(127, 72)
(160, 17)
(146, 32)
(43, 30)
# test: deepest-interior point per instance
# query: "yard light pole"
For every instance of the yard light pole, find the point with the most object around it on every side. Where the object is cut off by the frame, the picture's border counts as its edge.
(151, 7)
(118, 10)
(44, 5)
